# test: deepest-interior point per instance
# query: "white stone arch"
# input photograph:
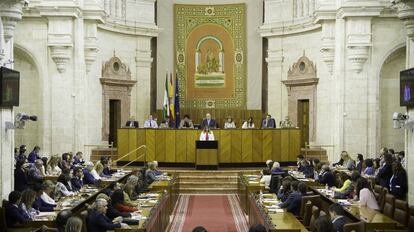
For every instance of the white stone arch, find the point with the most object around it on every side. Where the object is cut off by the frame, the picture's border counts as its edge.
(389, 54)
(33, 133)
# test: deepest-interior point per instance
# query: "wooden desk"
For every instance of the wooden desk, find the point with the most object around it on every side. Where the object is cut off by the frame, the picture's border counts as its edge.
(281, 221)
(236, 145)
(247, 185)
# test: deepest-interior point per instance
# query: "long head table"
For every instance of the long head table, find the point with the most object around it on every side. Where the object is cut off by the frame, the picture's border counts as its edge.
(235, 145)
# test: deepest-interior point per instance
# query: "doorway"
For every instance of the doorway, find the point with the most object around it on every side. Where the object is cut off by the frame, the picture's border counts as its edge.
(114, 120)
(303, 121)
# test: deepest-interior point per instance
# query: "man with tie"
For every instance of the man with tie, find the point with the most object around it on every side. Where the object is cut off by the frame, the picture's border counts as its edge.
(268, 122)
(208, 122)
(150, 123)
(132, 123)
(206, 135)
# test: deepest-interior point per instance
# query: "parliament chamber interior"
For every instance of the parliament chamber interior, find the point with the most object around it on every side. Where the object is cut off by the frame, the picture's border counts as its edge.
(196, 116)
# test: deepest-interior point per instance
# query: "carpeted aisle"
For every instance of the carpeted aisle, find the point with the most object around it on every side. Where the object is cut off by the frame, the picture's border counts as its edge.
(216, 213)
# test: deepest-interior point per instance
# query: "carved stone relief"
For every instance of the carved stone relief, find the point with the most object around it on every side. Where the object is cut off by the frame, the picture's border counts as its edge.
(301, 85)
(116, 85)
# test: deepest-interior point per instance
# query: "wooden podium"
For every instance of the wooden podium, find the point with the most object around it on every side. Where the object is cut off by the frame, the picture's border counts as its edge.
(206, 155)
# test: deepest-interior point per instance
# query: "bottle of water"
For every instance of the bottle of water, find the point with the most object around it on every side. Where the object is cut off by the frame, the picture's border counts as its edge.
(326, 187)
(261, 196)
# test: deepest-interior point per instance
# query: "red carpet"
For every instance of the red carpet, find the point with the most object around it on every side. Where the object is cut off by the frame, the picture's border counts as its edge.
(216, 213)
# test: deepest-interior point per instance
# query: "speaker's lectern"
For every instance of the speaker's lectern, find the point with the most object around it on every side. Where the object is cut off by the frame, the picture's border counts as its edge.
(206, 155)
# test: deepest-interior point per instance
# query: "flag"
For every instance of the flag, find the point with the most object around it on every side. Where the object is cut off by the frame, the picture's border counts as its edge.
(177, 103)
(166, 106)
(171, 96)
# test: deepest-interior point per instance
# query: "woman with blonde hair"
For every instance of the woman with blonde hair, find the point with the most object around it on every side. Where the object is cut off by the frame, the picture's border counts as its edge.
(28, 198)
(74, 224)
(129, 190)
(52, 167)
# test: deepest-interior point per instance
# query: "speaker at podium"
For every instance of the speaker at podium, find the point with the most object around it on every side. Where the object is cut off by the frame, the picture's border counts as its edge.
(206, 155)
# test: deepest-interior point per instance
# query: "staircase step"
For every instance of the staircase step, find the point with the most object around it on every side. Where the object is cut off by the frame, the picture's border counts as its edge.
(208, 190)
(181, 177)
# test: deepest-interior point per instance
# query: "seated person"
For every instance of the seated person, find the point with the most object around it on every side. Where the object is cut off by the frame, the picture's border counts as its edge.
(118, 202)
(276, 170)
(326, 177)
(208, 122)
(28, 198)
(348, 163)
(347, 189)
(167, 123)
(206, 134)
(88, 178)
(286, 123)
(398, 181)
(129, 188)
(369, 170)
(20, 176)
(132, 123)
(360, 163)
(365, 195)
(299, 159)
(52, 167)
(65, 163)
(62, 218)
(229, 124)
(98, 221)
(341, 160)
(34, 155)
(249, 124)
(285, 190)
(294, 199)
(150, 122)
(269, 165)
(324, 224)
(14, 215)
(78, 159)
(36, 173)
(102, 167)
(76, 180)
(111, 212)
(44, 202)
(186, 122)
(63, 187)
(157, 172)
(307, 169)
(337, 215)
(268, 122)
(150, 173)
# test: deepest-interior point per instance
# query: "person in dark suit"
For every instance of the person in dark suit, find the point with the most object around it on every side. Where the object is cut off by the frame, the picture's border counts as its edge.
(293, 202)
(268, 122)
(76, 180)
(337, 215)
(97, 220)
(78, 158)
(398, 181)
(14, 215)
(21, 155)
(40, 203)
(20, 177)
(385, 172)
(208, 122)
(326, 177)
(87, 176)
(360, 163)
(307, 169)
(132, 123)
(35, 175)
(34, 155)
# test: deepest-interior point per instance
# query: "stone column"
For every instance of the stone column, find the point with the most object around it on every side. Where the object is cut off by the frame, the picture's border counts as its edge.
(405, 9)
(276, 104)
(10, 14)
(143, 61)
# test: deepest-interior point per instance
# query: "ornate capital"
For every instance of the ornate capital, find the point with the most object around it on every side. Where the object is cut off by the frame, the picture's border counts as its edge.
(359, 41)
(274, 58)
(328, 44)
(405, 12)
(11, 13)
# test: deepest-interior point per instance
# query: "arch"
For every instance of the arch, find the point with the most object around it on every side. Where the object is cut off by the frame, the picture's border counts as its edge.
(25, 52)
(209, 37)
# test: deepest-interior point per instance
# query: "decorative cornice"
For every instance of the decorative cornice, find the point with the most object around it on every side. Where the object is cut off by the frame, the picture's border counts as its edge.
(405, 12)
(301, 82)
(284, 28)
(361, 8)
(11, 13)
(117, 82)
(274, 58)
(149, 30)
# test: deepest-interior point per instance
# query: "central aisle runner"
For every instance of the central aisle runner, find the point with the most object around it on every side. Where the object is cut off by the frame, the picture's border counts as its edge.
(216, 213)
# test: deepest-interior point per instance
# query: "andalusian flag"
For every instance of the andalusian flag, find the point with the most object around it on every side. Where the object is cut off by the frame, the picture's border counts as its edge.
(177, 103)
(166, 106)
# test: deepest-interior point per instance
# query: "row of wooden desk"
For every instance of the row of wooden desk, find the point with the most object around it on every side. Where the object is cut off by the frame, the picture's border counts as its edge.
(249, 187)
(156, 206)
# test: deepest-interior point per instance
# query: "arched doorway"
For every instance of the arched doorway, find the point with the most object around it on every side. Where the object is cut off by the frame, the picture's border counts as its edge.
(30, 99)
(390, 99)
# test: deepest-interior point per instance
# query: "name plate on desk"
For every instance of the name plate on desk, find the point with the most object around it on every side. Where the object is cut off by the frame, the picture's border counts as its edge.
(212, 144)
